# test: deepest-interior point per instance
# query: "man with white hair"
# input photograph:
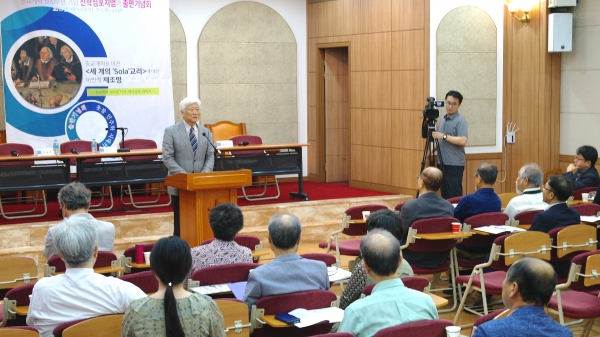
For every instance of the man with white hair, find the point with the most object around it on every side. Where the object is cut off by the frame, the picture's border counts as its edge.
(528, 185)
(79, 293)
(187, 148)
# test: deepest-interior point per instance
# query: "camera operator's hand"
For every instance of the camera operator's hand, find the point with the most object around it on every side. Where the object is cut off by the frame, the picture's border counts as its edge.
(437, 135)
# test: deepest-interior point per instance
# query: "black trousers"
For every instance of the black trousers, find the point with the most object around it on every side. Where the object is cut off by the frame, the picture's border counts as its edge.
(452, 183)
(175, 205)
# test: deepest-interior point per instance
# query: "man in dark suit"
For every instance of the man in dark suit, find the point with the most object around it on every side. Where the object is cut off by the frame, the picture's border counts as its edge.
(555, 193)
(484, 200)
(187, 149)
(582, 172)
(427, 205)
(526, 290)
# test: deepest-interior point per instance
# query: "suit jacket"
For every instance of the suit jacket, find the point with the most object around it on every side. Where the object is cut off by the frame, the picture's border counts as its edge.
(589, 178)
(427, 205)
(178, 155)
(528, 321)
(288, 273)
(484, 200)
(555, 216)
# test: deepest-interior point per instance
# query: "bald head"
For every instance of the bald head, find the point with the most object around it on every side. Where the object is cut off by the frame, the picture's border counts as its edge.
(284, 230)
(381, 252)
(536, 280)
(432, 178)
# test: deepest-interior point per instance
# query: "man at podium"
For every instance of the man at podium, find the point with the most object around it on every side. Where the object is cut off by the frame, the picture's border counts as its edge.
(187, 148)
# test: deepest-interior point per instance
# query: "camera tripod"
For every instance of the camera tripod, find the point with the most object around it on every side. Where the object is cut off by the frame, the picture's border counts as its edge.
(429, 143)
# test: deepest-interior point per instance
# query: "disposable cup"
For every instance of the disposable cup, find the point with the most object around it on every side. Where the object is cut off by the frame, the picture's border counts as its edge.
(366, 214)
(147, 257)
(584, 197)
(456, 227)
(452, 331)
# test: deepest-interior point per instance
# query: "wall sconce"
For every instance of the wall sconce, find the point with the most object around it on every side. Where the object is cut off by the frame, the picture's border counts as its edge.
(523, 5)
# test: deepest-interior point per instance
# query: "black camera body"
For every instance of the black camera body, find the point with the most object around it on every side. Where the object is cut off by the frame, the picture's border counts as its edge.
(430, 114)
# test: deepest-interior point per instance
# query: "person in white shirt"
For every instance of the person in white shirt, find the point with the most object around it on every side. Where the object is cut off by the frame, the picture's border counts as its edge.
(74, 200)
(528, 184)
(79, 293)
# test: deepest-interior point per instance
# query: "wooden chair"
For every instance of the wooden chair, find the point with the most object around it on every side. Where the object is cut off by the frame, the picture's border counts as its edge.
(418, 245)
(568, 242)
(144, 280)
(505, 251)
(16, 271)
(224, 130)
(102, 326)
(235, 317)
(574, 299)
(506, 197)
(226, 273)
(79, 146)
(143, 144)
(479, 242)
(277, 304)
(350, 247)
(19, 331)
(18, 296)
(428, 327)
(11, 168)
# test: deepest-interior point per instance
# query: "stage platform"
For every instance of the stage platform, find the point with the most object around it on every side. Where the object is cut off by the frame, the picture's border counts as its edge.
(319, 218)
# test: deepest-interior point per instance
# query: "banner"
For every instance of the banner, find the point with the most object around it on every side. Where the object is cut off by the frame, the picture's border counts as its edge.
(84, 69)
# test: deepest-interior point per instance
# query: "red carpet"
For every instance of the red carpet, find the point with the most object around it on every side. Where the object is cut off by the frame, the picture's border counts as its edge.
(315, 191)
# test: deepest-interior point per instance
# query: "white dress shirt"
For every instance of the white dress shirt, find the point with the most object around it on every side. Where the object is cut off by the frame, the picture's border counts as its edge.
(531, 199)
(105, 231)
(78, 294)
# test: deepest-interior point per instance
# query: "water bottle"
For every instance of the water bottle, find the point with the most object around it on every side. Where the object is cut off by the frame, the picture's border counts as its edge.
(56, 147)
(94, 145)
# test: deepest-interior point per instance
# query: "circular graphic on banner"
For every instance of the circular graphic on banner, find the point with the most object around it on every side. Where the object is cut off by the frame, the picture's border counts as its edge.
(87, 116)
(46, 72)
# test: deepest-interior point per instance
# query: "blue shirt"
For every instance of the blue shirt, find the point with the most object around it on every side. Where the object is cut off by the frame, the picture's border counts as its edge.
(390, 303)
(484, 200)
(530, 321)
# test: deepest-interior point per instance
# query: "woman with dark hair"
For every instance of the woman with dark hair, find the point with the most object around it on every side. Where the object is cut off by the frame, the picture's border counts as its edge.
(225, 220)
(172, 311)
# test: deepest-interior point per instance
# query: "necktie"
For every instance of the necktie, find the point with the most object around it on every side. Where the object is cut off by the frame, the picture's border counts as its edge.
(193, 141)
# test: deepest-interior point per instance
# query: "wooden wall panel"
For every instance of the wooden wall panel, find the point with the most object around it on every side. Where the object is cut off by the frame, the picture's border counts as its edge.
(372, 52)
(410, 14)
(406, 164)
(407, 90)
(406, 130)
(408, 40)
(371, 89)
(375, 16)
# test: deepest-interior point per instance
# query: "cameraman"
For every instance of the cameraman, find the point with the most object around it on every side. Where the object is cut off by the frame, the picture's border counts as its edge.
(452, 136)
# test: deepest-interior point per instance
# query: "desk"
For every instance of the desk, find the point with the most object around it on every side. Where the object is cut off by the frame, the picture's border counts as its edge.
(444, 235)
(31, 177)
(21, 310)
(288, 160)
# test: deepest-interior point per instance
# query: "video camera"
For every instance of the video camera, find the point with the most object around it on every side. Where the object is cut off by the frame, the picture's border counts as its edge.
(430, 114)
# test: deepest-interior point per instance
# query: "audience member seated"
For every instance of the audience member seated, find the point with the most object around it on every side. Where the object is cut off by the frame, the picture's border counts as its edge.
(582, 172)
(387, 220)
(172, 311)
(427, 205)
(484, 200)
(555, 192)
(390, 303)
(225, 220)
(74, 200)
(526, 290)
(79, 293)
(288, 272)
(528, 184)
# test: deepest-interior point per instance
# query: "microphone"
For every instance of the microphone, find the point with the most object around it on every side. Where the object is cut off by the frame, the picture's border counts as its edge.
(74, 151)
(243, 143)
(115, 129)
(211, 143)
(14, 153)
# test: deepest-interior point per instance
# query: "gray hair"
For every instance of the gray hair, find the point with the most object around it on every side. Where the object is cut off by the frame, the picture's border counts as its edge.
(488, 172)
(75, 239)
(187, 102)
(533, 172)
(380, 251)
(75, 196)
(285, 230)
(50, 53)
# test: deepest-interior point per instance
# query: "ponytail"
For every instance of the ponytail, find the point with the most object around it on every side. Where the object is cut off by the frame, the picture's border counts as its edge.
(172, 323)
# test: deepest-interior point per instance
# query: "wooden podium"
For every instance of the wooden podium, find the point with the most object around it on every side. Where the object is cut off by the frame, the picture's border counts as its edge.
(198, 193)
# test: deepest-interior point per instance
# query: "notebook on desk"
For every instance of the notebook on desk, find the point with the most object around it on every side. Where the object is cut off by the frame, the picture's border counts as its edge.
(237, 288)
(499, 229)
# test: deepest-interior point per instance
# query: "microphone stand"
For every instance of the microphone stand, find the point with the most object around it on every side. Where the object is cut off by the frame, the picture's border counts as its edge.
(123, 148)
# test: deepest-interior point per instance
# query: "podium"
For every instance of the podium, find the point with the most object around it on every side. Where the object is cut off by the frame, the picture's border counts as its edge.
(198, 193)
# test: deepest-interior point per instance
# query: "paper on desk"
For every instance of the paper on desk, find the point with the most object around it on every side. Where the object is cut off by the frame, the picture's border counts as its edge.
(238, 289)
(314, 316)
(212, 289)
(590, 218)
(499, 229)
(337, 274)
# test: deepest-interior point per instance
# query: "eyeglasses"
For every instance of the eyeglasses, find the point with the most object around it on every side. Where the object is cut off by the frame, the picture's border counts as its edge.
(476, 175)
(547, 189)
(418, 176)
(579, 158)
(451, 103)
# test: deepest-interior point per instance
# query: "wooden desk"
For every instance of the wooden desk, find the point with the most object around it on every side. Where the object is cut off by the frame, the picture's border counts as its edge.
(288, 160)
(139, 265)
(439, 301)
(525, 226)
(258, 253)
(443, 235)
(21, 310)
